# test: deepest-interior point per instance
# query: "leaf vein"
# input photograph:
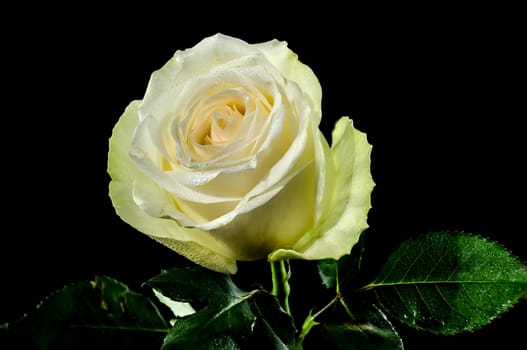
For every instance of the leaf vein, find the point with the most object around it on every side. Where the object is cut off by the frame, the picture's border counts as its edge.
(448, 304)
(394, 264)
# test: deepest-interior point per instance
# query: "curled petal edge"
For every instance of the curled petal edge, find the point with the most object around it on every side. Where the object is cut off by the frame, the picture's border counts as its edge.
(338, 232)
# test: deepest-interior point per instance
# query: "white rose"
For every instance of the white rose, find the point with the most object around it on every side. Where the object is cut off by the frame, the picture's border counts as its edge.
(223, 159)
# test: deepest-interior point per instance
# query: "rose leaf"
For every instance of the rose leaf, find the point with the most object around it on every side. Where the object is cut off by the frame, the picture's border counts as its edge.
(226, 317)
(343, 274)
(365, 328)
(448, 282)
(100, 314)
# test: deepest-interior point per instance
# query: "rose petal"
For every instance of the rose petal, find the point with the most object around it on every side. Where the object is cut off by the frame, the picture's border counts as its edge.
(353, 184)
(293, 158)
(288, 64)
(194, 244)
(187, 64)
(145, 154)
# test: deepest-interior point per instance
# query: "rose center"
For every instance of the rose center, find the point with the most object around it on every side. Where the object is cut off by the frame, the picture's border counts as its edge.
(221, 124)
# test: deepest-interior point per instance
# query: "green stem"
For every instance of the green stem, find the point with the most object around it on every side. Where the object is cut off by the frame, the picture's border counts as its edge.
(281, 288)
(274, 278)
(347, 308)
(286, 288)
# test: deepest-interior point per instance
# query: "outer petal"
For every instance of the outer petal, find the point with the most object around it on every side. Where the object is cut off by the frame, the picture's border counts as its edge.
(196, 245)
(286, 61)
(347, 214)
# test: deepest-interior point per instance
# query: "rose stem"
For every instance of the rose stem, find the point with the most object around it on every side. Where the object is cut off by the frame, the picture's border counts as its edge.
(285, 284)
(274, 278)
(280, 279)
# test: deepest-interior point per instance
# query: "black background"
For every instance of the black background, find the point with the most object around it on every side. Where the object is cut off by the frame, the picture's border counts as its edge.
(439, 92)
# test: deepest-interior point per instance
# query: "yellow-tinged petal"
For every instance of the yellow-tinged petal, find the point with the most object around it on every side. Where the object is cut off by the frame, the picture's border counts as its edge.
(347, 214)
(196, 245)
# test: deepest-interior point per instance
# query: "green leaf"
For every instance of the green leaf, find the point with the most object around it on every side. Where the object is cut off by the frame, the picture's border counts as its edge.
(103, 314)
(342, 274)
(449, 283)
(328, 272)
(225, 314)
(366, 329)
(273, 326)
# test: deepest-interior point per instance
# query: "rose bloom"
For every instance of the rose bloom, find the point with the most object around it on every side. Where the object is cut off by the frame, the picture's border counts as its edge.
(223, 159)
